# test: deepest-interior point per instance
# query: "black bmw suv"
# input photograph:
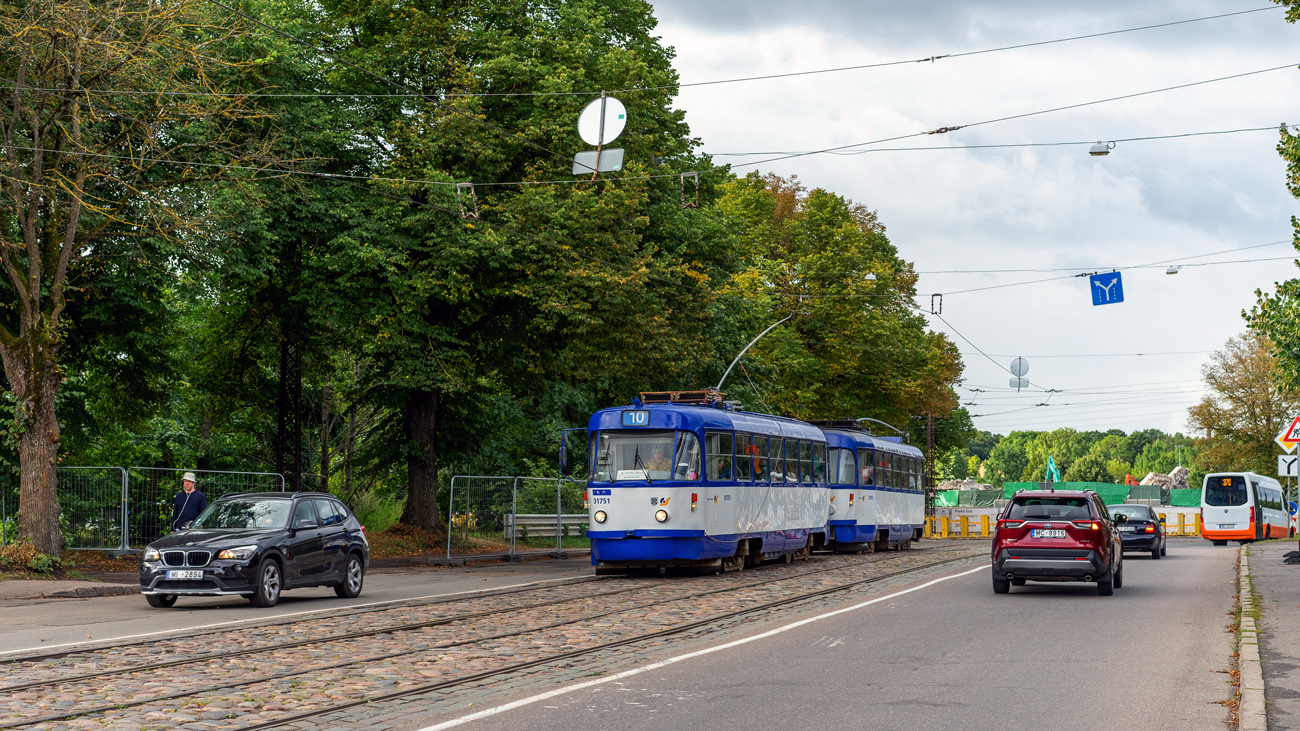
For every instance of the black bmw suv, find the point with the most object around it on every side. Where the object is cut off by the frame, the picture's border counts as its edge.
(258, 545)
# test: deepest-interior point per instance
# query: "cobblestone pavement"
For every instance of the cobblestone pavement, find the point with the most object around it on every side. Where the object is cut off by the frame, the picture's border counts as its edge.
(269, 681)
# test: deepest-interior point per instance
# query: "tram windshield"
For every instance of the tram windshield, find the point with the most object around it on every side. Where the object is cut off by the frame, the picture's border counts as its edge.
(643, 454)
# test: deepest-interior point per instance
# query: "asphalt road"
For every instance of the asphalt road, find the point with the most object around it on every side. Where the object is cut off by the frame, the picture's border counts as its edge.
(952, 656)
(33, 625)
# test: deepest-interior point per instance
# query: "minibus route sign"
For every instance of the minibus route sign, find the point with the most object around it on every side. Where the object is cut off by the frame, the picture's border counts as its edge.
(1289, 437)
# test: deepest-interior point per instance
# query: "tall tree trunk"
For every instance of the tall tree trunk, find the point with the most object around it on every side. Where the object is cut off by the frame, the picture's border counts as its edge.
(351, 444)
(34, 380)
(325, 440)
(421, 422)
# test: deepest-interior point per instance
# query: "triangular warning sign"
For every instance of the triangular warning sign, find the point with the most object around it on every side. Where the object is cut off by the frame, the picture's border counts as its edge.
(1289, 437)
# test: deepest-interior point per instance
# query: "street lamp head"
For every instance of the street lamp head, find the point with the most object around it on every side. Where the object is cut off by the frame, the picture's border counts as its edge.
(1172, 270)
(1101, 149)
(870, 277)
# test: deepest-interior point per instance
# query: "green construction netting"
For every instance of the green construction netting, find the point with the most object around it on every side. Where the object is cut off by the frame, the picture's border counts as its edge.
(946, 498)
(1144, 492)
(1190, 498)
(1110, 493)
(978, 498)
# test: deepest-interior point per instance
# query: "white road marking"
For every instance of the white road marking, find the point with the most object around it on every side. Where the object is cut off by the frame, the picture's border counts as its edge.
(690, 655)
(182, 631)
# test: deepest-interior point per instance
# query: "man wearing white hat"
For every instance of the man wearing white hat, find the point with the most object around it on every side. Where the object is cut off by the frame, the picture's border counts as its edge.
(189, 502)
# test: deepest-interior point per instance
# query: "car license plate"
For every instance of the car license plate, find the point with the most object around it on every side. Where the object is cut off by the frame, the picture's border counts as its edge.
(1227, 525)
(1047, 533)
(1127, 529)
(186, 574)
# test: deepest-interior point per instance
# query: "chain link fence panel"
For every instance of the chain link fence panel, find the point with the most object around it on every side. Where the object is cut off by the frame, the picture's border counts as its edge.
(152, 491)
(91, 510)
(479, 507)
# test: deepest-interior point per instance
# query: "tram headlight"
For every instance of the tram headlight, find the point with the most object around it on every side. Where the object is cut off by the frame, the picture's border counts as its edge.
(661, 516)
(600, 516)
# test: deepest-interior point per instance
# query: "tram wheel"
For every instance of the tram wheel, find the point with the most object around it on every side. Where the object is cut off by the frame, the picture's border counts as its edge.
(789, 557)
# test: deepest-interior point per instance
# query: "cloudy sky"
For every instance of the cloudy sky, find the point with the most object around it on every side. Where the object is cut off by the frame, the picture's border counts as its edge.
(1030, 208)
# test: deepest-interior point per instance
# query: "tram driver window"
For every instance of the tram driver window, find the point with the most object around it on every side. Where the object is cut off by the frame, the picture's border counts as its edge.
(718, 455)
(688, 457)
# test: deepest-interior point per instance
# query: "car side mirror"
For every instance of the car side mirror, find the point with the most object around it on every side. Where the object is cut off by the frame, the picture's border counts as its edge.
(187, 525)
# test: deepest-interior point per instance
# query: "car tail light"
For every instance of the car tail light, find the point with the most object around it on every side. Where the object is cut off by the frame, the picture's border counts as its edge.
(1150, 529)
(694, 499)
(363, 529)
(1252, 513)
(1004, 523)
(1087, 524)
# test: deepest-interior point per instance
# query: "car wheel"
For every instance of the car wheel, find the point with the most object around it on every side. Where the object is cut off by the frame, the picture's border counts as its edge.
(1017, 582)
(1155, 552)
(1001, 586)
(1105, 588)
(162, 601)
(353, 576)
(1118, 578)
(269, 583)
(1164, 549)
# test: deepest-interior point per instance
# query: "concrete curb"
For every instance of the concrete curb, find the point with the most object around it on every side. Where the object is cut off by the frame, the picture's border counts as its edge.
(1251, 715)
(94, 591)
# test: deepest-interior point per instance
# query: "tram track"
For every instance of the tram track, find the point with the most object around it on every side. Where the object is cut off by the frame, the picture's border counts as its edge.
(481, 641)
(388, 629)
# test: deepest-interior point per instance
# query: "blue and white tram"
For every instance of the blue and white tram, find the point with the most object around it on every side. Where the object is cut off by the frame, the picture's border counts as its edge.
(698, 484)
(877, 493)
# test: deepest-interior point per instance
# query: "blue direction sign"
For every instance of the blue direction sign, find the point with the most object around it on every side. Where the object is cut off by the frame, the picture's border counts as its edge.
(1107, 289)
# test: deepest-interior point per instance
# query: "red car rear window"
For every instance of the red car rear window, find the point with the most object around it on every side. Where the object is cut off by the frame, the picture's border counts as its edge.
(1049, 508)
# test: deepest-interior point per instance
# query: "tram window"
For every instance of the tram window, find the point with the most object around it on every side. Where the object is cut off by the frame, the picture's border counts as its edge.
(641, 454)
(760, 458)
(744, 458)
(776, 463)
(718, 455)
(819, 463)
(868, 474)
(688, 457)
(844, 468)
(911, 473)
(805, 463)
(791, 461)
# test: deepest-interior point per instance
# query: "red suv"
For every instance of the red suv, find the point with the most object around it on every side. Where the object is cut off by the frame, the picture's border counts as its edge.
(1057, 535)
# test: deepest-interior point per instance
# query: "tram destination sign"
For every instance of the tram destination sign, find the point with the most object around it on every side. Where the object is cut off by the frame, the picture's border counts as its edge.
(636, 418)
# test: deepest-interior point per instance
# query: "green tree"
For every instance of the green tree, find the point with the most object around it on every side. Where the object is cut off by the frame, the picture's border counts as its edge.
(1244, 406)
(96, 169)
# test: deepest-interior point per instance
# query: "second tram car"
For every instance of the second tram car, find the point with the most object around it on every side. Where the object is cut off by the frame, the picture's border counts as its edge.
(686, 479)
(877, 492)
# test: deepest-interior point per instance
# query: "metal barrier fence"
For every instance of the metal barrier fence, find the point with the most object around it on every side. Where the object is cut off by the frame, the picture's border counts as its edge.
(116, 508)
(501, 515)
(151, 492)
(981, 526)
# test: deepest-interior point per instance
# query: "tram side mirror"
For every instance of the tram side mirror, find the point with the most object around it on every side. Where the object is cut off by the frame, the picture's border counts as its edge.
(564, 453)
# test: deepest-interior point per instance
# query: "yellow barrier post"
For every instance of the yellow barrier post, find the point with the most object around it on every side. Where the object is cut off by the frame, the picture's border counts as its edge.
(943, 527)
(965, 526)
(928, 531)
(984, 526)
(1182, 526)
(1197, 525)
(1163, 522)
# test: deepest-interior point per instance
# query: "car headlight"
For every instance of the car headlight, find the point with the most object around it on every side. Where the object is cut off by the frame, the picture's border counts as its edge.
(661, 516)
(238, 554)
(600, 516)
(151, 554)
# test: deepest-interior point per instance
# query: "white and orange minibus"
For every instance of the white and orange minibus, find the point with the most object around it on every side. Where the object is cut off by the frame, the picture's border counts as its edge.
(1243, 507)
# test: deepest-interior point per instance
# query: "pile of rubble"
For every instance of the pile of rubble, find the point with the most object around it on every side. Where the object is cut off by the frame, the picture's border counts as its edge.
(1175, 480)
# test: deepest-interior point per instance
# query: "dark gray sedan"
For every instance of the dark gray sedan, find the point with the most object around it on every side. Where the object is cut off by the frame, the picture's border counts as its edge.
(1140, 528)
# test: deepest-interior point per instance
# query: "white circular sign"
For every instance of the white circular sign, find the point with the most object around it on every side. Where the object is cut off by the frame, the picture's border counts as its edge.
(1019, 367)
(589, 121)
